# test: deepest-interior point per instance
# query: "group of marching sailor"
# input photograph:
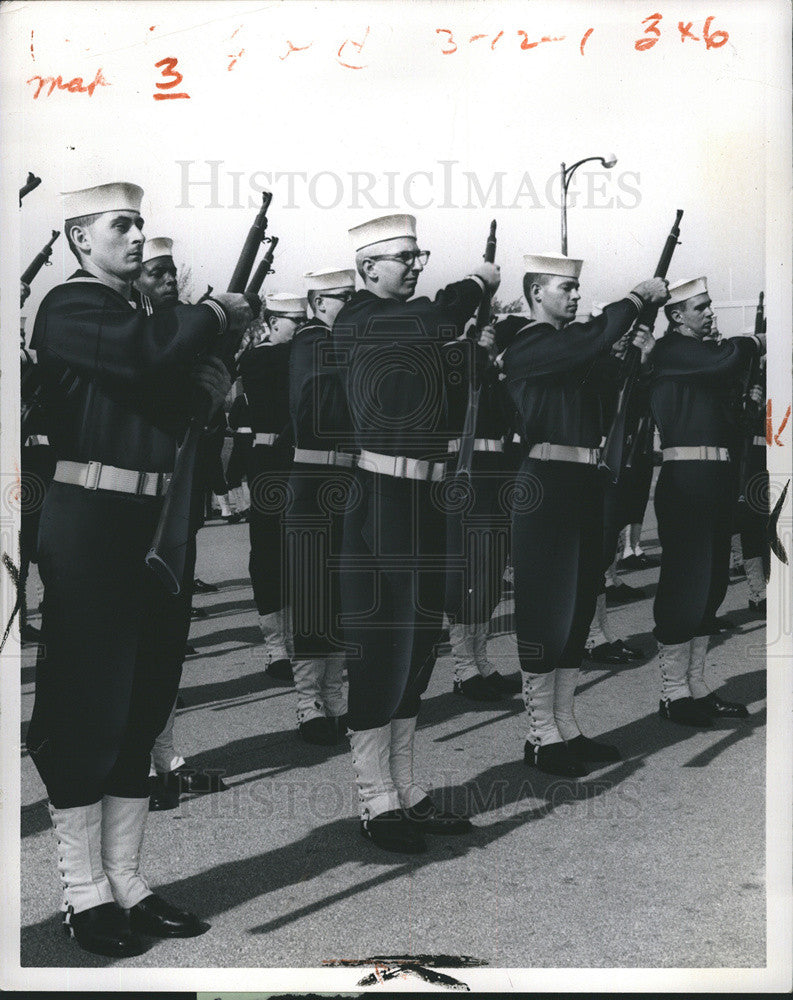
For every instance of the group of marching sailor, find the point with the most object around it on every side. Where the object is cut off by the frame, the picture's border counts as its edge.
(369, 532)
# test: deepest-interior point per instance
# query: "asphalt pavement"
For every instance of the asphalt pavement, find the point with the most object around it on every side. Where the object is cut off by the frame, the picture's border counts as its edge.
(657, 861)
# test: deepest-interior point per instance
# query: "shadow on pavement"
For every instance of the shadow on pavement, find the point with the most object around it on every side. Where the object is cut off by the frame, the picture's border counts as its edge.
(501, 787)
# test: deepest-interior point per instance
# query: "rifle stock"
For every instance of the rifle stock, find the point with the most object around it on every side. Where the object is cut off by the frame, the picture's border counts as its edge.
(611, 455)
(169, 547)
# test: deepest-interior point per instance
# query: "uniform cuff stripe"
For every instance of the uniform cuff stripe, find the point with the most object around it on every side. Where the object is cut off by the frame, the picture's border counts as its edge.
(219, 312)
(478, 280)
(636, 300)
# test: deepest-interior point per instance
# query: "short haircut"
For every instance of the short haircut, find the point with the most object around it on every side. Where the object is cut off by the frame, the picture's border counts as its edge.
(80, 220)
(360, 257)
(668, 310)
(534, 279)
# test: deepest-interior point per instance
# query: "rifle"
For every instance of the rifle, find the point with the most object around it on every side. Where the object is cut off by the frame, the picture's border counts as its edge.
(41, 258)
(31, 390)
(750, 411)
(263, 268)
(250, 248)
(169, 546)
(466, 453)
(611, 455)
(27, 187)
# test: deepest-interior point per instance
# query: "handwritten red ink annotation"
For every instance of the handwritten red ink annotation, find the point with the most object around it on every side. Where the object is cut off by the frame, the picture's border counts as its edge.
(295, 48)
(451, 45)
(356, 45)
(712, 39)
(168, 65)
(75, 86)
(770, 437)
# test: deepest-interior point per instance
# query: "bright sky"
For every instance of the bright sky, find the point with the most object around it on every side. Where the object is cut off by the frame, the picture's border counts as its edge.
(688, 124)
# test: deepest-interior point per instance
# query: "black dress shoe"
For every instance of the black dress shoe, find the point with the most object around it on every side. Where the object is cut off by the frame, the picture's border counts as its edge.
(591, 750)
(758, 608)
(157, 917)
(621, 593)
(718, 709)
(477, 688)
(429, 819)
(187, 779)
(340, 726)
(161, 796)
(685, 712)
(321, 732)
(30, 635)
(640, 561)
(505, 684)
(281, 670)
(633, 654)
(555, 758)
(610, 652)
(393, 831)
(199, 587)
(233, 518)
(721, 623)
(198, 613)
(104, 930)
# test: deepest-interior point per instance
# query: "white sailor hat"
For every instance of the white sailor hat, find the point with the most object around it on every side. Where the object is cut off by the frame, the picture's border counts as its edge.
(328, 279)
(682, 290)
(387, 227)
(285, 303)
(552, 263)
(118, 197)
(158, 246)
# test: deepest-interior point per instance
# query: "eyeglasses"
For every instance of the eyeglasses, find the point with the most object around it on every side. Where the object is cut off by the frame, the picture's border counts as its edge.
(407, 258)
(341, 296)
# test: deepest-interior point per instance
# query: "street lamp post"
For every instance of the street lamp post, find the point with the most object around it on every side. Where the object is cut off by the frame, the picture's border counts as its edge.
(567, 175)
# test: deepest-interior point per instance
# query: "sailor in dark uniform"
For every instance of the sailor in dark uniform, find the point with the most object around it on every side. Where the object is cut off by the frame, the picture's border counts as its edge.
(114, 638)
(38, 465)
(264, 368)
(170, 774)
(753, 505)
(690, 394)
(555, 373)
(239, 422)
(478, 540)
(637, 477)
(393, 568)
(321, 476)
(603, 645)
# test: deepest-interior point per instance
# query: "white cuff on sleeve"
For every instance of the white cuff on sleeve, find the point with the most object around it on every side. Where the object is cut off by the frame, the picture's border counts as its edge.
(478, 280)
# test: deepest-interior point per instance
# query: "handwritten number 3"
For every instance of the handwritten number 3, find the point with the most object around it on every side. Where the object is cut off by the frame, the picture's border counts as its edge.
(168, 68)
